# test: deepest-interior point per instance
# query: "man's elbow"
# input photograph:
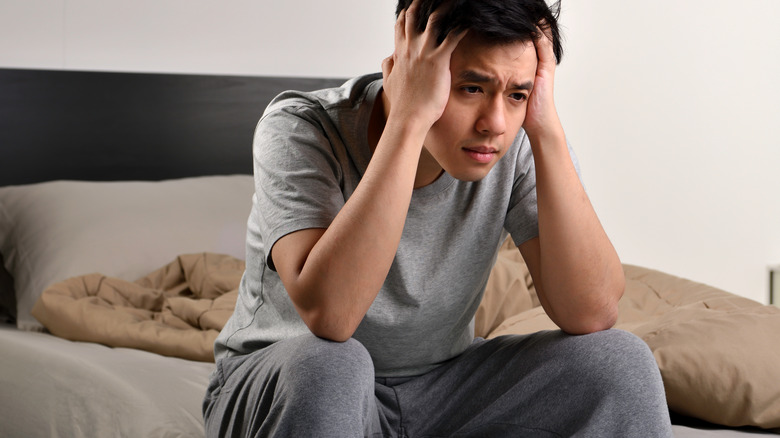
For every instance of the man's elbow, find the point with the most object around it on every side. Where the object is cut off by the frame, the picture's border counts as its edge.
(330, 327)
(331, 335)
(601, 316)
(593, 323)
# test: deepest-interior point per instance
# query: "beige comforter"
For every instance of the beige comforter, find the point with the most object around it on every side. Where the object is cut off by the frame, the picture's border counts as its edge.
(718, 353)
(177, 310)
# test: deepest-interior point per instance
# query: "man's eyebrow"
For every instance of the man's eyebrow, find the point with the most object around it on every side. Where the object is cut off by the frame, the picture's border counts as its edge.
(480, 78)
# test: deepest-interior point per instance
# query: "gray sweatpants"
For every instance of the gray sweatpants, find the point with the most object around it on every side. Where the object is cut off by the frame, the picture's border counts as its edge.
(605, 384)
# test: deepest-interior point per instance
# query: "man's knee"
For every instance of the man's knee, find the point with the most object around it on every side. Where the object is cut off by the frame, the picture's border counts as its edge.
(621, 380)
(617, 353)
(304, 386)
(313, 358)
(620, 366)
(326, 388)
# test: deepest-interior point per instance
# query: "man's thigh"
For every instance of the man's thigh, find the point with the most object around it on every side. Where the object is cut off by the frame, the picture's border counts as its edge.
(302, 387)
(543, 384)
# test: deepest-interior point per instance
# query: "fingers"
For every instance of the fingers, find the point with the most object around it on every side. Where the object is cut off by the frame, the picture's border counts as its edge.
(430, 29)
(405, 23)
(406, 29)
(544, 49)
(411, 18)
(400, 27)
(452, 40)
(387, 67)
(417, 75)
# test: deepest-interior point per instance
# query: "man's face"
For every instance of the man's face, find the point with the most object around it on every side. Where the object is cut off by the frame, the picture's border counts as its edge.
(486, 108)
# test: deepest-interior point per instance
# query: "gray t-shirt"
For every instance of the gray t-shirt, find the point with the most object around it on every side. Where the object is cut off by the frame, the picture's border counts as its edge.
(310, 151)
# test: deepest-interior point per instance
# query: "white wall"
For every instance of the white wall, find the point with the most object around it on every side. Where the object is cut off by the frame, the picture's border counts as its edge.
(672, 105)
(336, 38)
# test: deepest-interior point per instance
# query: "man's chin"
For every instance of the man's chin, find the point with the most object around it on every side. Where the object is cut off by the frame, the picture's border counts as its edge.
(471, 175)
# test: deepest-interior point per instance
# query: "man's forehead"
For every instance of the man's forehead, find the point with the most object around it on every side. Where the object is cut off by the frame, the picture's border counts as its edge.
(511, 63)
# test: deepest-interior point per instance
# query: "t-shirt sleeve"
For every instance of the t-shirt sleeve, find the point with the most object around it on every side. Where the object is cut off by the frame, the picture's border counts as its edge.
(522, 219)
(297, 177)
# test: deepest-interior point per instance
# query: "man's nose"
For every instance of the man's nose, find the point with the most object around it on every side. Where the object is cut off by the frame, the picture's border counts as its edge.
(491, 120)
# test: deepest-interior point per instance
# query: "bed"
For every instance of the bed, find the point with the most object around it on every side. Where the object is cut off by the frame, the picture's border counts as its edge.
(117, 182)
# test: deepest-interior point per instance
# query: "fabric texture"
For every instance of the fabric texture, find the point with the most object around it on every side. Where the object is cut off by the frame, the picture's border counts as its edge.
(56, 230)
(177, 310)
(310, 152)
(544, 384)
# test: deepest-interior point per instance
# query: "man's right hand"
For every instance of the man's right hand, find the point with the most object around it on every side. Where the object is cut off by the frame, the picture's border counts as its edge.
(417, 76)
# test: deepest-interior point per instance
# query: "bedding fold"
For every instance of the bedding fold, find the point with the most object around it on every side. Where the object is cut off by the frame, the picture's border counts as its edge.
(177, 310)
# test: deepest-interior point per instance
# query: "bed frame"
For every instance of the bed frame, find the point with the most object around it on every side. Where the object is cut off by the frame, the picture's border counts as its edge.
(131, 126)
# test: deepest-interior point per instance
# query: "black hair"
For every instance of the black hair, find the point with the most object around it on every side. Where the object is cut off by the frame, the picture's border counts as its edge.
(494, 21)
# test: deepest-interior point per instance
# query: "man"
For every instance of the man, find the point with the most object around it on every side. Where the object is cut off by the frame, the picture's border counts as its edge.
(378, 212)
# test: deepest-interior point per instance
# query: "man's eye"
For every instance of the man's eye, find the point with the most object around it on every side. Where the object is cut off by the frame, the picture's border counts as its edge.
(518, 96)
(471, 90)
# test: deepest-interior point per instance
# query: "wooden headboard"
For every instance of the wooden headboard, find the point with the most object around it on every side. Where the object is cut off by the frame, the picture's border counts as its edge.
(101, 126)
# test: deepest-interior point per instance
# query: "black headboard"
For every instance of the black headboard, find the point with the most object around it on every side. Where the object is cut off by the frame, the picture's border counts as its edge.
(102, 126)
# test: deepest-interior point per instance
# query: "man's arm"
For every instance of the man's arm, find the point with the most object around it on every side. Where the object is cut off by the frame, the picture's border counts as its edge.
(576, 271)
(333, 275)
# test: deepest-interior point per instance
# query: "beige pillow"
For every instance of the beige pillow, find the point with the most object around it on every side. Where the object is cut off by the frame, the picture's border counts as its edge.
(56, 230)
(718, 353)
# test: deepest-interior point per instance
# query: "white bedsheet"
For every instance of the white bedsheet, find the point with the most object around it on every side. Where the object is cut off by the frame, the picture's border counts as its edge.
(695, 432)
(51, 387)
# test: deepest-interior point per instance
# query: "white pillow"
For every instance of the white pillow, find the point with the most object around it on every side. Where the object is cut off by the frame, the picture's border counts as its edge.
(56, 230)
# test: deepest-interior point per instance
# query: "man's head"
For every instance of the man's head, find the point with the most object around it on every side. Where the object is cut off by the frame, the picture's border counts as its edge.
(493, 21)
(493, 72)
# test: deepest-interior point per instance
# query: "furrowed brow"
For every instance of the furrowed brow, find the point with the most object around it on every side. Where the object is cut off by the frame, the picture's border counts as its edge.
(480, 78)
(527, 85)
(476, 77)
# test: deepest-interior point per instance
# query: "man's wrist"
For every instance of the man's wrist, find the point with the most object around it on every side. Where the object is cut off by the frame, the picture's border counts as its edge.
(410, 128)
(540, 140)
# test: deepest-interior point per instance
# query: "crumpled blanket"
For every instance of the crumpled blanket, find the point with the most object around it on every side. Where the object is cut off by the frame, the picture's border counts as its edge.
(177, 310)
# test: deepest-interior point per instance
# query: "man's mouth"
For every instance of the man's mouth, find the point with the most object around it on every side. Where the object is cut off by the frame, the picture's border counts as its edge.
(481, 154)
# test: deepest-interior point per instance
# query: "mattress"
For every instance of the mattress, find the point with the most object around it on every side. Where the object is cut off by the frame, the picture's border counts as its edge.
(55, 387)
(681, 431)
